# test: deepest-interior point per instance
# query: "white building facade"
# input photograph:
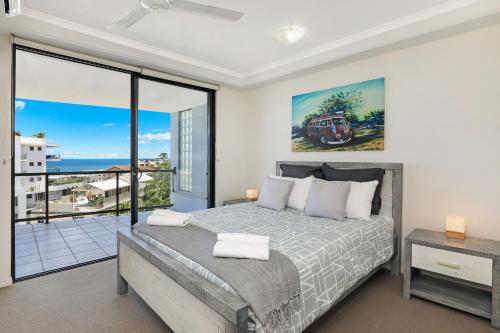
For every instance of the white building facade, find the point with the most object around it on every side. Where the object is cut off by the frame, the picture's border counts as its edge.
(30, 157)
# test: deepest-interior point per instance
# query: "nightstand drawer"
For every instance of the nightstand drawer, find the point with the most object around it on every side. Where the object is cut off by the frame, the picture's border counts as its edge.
(458, 265)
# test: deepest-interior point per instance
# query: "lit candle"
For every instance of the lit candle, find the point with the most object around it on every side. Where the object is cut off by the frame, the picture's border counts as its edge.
(455, 226)
(251, 194)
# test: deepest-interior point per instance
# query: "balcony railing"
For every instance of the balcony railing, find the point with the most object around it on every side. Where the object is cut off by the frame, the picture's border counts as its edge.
(95, 205)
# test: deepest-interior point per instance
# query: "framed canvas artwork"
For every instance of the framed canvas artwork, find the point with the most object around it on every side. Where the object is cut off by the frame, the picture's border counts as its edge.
(345, 118)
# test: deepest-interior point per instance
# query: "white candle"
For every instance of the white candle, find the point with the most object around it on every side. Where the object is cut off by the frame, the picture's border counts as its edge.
(251, 194)
(455, 224)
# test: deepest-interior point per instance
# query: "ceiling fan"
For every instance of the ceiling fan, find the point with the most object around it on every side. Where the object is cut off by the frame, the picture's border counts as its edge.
(146, 7)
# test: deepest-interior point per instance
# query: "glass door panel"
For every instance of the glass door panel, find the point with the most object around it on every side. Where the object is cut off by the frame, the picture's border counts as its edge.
(172, 134)
(71, 164)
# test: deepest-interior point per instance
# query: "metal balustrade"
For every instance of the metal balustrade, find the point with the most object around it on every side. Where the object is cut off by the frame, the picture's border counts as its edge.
(95, 204)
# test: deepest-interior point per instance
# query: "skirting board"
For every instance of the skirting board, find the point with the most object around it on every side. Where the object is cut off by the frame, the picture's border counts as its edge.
(6, 282)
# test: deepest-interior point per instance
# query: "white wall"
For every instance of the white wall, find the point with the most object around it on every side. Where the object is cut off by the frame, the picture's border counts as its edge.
(232, 145)
(5, 142)
(442, 122)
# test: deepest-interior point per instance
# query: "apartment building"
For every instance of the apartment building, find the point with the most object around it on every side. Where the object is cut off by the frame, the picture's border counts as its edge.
(32, 158)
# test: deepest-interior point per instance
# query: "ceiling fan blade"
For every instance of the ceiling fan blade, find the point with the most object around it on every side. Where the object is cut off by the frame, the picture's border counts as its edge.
(129, 19)
(206, 10)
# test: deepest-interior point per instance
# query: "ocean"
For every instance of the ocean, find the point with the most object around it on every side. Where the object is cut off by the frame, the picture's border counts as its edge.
(85, 164)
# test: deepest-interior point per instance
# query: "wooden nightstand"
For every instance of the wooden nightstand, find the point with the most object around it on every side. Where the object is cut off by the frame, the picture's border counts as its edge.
(463, 274)
(236, 201)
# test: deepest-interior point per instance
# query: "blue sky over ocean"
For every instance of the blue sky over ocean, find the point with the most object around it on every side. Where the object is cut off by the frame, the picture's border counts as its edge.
(89, 132)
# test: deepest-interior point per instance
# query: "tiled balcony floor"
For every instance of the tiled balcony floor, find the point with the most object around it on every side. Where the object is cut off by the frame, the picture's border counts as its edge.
(44, 247)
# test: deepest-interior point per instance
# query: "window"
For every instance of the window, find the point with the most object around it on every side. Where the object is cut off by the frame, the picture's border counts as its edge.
(32, 148)
(39, 178)
(39, 163)
(323, 123)
(32, 163)
(185, 151)
(29, 196)
(17, 202)
(32, 180)
(338, 121)
(39, 148)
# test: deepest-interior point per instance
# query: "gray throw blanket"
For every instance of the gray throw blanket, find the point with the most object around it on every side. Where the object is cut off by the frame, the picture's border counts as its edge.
(271, 288)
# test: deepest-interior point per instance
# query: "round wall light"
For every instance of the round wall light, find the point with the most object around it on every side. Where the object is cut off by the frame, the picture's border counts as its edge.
(289, 35)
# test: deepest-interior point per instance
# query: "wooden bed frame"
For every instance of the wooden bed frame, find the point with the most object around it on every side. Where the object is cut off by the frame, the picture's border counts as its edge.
(189, 303)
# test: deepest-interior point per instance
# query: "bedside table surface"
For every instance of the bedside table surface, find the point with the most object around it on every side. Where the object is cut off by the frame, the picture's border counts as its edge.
(236, 201)
(470, 245)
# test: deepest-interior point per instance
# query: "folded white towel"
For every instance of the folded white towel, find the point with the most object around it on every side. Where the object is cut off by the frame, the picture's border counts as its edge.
(171, 213)
(227, 249)
(168, 221)
(243, 238)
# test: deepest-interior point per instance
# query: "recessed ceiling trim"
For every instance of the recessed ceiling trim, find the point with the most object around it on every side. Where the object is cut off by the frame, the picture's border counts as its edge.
(106, 62)
(120, 48)
(369, 33)
(116, 39)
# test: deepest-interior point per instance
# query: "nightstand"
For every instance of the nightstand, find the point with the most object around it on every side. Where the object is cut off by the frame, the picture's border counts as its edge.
(463, 274)
(236, 201)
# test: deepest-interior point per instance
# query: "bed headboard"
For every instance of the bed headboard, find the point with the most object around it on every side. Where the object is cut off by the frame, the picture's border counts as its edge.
(392, 194)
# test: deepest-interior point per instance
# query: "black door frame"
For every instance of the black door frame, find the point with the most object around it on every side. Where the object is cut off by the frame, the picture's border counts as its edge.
(134, 124)
(134, 104)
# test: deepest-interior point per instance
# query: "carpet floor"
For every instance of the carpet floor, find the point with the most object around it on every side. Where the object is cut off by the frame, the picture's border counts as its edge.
(84, 300)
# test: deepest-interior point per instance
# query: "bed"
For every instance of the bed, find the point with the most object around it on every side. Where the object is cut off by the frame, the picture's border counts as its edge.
(332, 258)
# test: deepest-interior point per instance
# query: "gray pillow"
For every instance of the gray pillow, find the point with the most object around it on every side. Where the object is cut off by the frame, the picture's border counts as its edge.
(275, 193)
(327, 199)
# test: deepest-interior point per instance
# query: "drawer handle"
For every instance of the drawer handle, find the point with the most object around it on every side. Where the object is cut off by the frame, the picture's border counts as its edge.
(445, 264)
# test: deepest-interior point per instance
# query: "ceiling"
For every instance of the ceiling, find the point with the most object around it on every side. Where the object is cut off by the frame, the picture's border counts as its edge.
(70, 82)
(242, 53)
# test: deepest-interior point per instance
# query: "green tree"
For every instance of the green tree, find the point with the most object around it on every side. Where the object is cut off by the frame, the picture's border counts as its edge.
(18, 133)
(347, 103)
(157, 191)
(376, 115)
(39, 135)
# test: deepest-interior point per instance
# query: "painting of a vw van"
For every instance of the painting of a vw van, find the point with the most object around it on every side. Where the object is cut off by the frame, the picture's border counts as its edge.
(348, 117)
(330, 129)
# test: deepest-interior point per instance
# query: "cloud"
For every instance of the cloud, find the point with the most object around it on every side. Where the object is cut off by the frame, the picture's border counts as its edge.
(109, 124)
(20, 105)
(148, 137)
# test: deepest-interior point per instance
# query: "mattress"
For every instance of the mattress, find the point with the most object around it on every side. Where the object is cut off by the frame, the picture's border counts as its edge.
(330, 256)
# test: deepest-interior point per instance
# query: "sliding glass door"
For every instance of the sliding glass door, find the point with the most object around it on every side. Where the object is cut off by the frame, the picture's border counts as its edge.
(95, 149)
(71, 164)
(173, 146)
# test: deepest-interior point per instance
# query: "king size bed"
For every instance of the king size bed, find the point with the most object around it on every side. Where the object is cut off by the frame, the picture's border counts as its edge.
(331, 259)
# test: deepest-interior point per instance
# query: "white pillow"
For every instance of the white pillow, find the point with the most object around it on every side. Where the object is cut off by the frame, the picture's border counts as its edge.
(359, 200)
(300, 191)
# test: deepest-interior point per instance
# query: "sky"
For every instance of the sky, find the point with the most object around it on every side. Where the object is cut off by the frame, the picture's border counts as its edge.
(88, 132)
(373, 99)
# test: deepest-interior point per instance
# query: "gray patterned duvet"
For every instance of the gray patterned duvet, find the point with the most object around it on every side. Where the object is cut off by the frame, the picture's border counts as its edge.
(330, 256)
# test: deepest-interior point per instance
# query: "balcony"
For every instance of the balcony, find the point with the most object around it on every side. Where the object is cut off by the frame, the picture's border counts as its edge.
(67, 242)
(82, 212)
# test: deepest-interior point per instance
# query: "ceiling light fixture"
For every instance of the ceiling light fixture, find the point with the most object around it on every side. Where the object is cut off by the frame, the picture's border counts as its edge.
(289, 35)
